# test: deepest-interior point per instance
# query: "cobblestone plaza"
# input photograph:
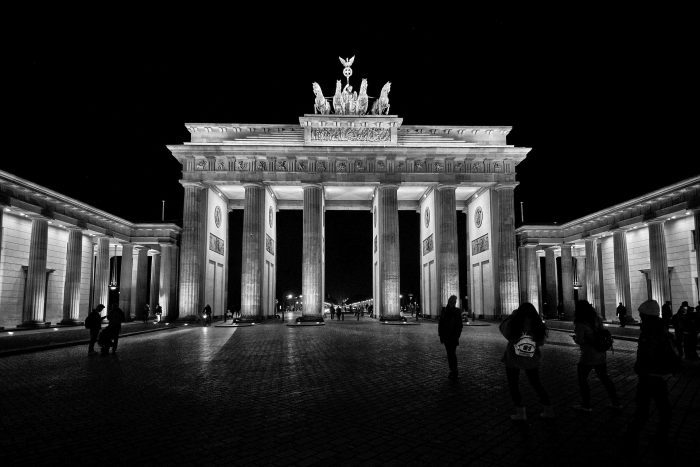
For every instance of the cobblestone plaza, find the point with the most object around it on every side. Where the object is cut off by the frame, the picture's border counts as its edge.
(353, 393)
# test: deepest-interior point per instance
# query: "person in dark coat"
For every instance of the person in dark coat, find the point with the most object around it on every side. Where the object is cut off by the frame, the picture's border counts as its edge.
(526, 333)
(332, 312)
(667, 313)
(94, 323)
(115, 317)
(449, 330)
(656, 359)
(690, 333)
(621, 314)
(206, 315)
(678, 320)
(586, 324)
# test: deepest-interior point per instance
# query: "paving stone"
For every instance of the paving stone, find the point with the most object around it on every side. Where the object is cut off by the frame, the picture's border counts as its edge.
(347, 393)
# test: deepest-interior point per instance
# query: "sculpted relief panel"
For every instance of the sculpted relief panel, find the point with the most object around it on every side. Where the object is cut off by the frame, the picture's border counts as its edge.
(374, 135)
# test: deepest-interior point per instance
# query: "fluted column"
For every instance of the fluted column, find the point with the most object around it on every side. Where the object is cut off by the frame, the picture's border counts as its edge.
(529, 278)
(193, 243)
(155, 283)
(567, 281)
(389, 259)
(696, 217)
(312, 260)
(2, 213)
(660, 290)
(507, 261)
(447, 254)
(140, 293)
(35, 295)
(101, 293)
(71, 287)
(126, 279)
(592, 276)
(165, 277)
(253, 253)
(522, 265)
(622, 269)
(552, 292)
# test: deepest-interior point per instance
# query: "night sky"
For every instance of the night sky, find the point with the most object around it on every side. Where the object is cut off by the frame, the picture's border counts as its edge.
(95, 96)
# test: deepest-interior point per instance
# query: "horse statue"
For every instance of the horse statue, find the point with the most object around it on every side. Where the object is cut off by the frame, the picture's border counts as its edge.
(362, 99)
(338, 107)
(381, 105)
(321, 105)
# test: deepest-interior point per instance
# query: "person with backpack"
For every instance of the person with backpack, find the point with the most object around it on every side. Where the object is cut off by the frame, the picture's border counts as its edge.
(93, 322)
(109, 337)
(449, 330)
(621, 314)
(590, 335)
(526, 333)
(656, 359)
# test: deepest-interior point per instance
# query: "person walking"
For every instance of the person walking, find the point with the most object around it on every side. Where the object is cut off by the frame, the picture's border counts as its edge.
(667, 313)
(449, 330)
(93, 322)
(206, 315)
(115, 317)
(526, 333)
(690, 333)
(621, 313)
(332, 312)
(146, 312)
(656, 359)
(159, 312)
(586, 324)
(678, 320)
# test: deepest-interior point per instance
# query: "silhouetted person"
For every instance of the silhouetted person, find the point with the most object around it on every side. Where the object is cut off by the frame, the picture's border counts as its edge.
(115, 317)
(146, 312)
(621, 314)
(449, 330)
(206, 314)
(332, 312)
(656, 359)
(93, 322)
(667, 313)
(690, 333)
(586, 324)
(525, 333)
(678, 320)
(159, 312)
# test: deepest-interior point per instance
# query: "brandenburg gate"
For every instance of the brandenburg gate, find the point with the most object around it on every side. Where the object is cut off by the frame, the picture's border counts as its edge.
(349, 159)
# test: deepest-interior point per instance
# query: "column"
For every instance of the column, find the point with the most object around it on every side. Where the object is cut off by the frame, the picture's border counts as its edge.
(696, 217)
(660, 290)
(101, 292)
(252, 256)
(523, 266)
(389, 260)
(507, 261)
(2, 213)
(140, 283)
(312, 259)
(551, 296)
(567, 281)
(193, 245)
(155, 283)
(592, 281)
(529, 282)
(165, 277)
(446, 248)
(35, 295)
(622, 270)
(125, 280)
(71, 287)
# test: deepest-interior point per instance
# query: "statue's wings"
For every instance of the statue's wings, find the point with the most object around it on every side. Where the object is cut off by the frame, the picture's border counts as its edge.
(347, 63)
(351, 60)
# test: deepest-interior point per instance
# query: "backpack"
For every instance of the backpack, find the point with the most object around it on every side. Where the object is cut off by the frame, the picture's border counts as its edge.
(602, 339)
(525, 346)
(88, 321)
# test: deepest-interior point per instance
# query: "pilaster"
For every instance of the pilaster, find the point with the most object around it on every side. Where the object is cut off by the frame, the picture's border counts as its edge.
(71, 287)
(696, 218)
(660, 289)
(140, 292)
(35, 295)
(155, 283)
(507, 260)
(165, 278)
(312, 259)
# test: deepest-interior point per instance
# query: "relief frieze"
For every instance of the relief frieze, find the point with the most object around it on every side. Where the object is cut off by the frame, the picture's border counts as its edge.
(374, 135)
(282, 166)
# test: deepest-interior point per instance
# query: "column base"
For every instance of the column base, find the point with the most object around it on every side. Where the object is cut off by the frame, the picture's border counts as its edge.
(70, 322)
(308, 321)
(391, 319)
(35, 324)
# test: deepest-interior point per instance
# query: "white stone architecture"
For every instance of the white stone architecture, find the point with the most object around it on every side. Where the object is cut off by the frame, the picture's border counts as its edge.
(57, 258)
(370, 162)
(644, 248)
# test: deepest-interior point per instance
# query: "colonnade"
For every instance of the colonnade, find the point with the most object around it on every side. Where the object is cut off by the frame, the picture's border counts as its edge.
(132, 282)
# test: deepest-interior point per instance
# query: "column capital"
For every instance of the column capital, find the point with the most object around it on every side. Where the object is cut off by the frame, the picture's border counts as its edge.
(253, 185)
(311, 185)
(387, 186)
(187, 184)
(506, 186)
(445, 186)
(655, 221)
